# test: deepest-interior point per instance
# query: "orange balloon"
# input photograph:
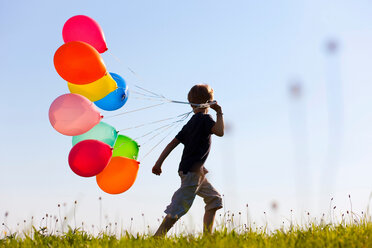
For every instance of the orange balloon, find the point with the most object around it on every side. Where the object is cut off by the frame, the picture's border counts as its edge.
(79, 63)
(118, 176)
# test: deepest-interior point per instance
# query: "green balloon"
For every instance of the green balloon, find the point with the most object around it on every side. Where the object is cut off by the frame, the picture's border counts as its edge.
(102, 132)
(125, 147)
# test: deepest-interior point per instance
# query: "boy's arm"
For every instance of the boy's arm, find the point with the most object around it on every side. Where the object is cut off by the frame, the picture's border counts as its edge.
(157, 167)
(219, 126)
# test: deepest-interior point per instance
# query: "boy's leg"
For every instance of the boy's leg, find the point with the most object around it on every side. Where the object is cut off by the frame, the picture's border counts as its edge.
(213, 202)
(208, 220)
(165, 226)
(181, 202)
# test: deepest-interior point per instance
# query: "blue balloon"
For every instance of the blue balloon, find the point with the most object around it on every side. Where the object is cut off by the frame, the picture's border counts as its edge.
(117, 98)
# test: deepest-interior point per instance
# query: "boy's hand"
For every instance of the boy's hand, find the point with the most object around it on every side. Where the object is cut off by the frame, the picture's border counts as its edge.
(216, 107)
(156, 169)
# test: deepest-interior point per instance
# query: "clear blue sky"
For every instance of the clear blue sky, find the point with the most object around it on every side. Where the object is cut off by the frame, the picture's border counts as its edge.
(249, 52)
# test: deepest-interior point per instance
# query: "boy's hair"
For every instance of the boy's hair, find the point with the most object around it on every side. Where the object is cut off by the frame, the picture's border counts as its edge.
(200, 93)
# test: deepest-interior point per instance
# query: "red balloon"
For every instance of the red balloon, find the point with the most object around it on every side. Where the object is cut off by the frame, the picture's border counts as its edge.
(89, 157)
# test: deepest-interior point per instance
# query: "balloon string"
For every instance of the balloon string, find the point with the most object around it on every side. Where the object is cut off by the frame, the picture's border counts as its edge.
(157, 134)
(156, 98)
(134, 73)
(151, 99)
(203, 105)
(144, 124)
(161, 97)
(165, 127)
(154, 122)
(148, 91)
(156, 129)
(153, 148)
(142, 94)
(135, 110)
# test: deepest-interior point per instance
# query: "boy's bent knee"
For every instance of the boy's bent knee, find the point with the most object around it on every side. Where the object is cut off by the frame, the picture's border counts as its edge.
(172, 218)
(214, 204)
(213, 210)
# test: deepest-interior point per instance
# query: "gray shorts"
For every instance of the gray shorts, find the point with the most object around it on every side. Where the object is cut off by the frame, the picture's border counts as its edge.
(193, 184)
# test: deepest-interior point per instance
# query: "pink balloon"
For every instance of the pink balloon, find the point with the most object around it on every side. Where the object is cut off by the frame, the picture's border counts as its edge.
(83, 28)
(89, 157)
(73, 114)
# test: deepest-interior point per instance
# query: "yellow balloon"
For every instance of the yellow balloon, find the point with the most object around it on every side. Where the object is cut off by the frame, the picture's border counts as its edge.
(96, 90)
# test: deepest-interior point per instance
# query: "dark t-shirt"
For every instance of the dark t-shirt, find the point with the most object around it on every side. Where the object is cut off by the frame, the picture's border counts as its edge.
(196, 136)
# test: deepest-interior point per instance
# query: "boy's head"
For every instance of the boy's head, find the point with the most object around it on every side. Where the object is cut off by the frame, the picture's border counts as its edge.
(200, 93)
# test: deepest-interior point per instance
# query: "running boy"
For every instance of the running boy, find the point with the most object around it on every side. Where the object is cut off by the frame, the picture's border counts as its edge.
(196, 137)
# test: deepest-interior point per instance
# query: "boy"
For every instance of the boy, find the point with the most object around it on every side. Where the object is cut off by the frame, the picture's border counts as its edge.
(196, 137)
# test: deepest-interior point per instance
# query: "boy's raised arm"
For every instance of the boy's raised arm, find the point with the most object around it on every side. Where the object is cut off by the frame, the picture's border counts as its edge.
(219, 126)
(157, 167)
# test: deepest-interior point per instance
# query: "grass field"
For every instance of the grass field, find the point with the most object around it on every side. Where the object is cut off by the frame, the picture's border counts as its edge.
(353, 235)
(350, 230)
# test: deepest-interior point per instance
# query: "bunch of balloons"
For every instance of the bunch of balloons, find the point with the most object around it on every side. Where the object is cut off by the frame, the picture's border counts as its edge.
(98, 150)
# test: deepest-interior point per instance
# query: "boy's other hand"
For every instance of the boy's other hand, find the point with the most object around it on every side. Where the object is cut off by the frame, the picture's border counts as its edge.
(156, 169)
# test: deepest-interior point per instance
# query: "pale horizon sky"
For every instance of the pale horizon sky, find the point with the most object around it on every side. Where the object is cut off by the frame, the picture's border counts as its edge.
(249, 52)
